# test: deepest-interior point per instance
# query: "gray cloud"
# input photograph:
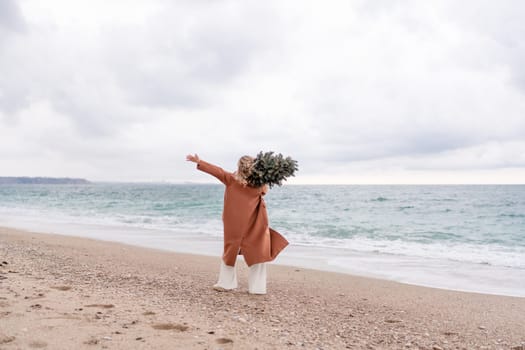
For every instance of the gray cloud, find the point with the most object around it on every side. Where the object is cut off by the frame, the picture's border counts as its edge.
(195, 52)
(11, 18)
(183, 57)
(354, 86)
(499, 29)
(12, 23)
(429, 89)
(12, 99)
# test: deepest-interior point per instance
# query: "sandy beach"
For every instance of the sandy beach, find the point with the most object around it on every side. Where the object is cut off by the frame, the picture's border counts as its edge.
(60, 292)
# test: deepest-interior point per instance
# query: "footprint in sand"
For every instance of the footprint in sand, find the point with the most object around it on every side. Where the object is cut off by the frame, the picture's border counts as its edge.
(92, 341)
(126, 325)
(38, 344)
(170, 326)
(224, 340)
(62, 288)
(4, 339)
(103, 306)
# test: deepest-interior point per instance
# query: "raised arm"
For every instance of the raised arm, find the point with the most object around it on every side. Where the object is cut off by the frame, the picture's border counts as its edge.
(193, 158)
(222, 175)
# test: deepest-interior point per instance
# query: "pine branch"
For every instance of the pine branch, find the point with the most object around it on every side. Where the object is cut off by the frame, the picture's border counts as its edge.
(271, 169)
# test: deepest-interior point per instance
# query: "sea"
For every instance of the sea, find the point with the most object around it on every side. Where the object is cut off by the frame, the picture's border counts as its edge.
(457, 237)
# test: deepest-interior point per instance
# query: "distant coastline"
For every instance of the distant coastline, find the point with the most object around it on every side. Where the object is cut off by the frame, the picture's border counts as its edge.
(25, 180)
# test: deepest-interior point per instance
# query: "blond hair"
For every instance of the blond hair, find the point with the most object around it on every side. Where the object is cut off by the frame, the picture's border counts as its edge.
(244, 169)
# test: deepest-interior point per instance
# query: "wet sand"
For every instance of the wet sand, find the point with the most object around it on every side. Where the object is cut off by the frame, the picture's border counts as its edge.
(60, 292)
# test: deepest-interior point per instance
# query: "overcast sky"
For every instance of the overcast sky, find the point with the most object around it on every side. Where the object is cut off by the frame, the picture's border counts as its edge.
(364, 91)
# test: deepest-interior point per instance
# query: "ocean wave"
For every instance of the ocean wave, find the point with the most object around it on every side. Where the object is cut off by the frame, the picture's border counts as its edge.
(379, 199)
(406, 207)
(511, 215)
(494, 254)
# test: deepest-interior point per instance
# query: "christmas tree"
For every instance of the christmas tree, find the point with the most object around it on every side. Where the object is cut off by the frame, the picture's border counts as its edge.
(271, 169)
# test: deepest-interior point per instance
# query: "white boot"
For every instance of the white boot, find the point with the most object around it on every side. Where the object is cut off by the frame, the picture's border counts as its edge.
(227, 278)
(257, 279)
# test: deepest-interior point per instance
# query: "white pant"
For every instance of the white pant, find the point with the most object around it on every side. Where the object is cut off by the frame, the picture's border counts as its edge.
(256, 278)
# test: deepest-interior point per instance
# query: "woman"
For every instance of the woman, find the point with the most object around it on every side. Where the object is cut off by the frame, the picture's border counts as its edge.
(246, 229)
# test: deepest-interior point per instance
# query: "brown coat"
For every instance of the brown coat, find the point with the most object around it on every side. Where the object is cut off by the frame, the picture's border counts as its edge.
(245, 220)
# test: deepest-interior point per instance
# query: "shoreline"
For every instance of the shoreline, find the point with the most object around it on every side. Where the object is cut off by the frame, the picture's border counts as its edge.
(411, 270)
(63, 292)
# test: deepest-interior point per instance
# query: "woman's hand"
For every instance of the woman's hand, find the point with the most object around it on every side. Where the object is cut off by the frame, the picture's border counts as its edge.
(193, 158)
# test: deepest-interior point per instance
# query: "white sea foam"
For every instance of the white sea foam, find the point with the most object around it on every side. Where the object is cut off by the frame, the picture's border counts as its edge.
(496, 255)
